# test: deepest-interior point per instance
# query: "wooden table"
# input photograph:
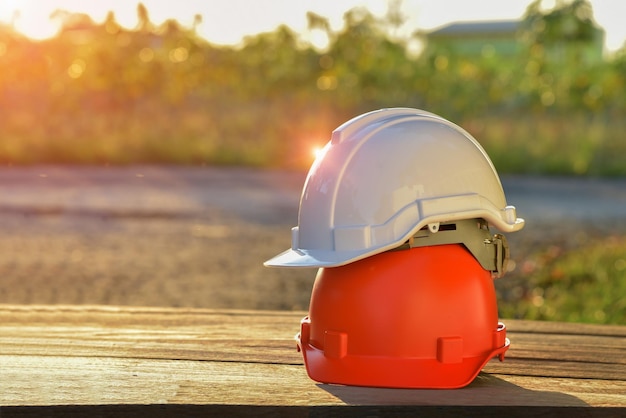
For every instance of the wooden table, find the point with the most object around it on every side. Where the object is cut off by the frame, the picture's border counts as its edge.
(81, 360)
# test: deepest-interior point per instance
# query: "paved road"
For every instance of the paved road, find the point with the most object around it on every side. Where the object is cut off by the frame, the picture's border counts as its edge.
(253, 195)
(172, 236)
(552, 199)
(264, 197)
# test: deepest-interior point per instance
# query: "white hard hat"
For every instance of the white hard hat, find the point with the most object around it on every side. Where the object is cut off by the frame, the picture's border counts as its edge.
(385, 175)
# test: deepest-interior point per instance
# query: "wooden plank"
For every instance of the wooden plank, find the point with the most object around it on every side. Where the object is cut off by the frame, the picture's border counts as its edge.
(599, 361)
(556, 368)
(253, 336)
(236, 322)
(554, 328)
(588, 349)
(83, 381)
(51, 355)
(260, 337)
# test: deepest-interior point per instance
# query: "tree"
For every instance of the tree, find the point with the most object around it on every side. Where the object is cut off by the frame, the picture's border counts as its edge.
(567, 22)
(110, 24)
(144, 23)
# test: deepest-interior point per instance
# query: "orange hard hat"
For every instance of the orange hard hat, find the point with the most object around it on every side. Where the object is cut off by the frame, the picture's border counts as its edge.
(423, 317)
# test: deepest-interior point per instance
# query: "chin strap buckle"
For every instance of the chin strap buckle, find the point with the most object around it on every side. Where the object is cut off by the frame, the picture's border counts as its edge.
(501, 255)
(492, 252)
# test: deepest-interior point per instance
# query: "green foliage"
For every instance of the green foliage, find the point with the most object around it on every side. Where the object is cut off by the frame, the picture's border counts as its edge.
(571, 22)
(586, 284)
(99, 93)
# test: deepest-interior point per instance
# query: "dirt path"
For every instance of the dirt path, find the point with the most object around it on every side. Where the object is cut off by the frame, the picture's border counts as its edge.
(173, 236)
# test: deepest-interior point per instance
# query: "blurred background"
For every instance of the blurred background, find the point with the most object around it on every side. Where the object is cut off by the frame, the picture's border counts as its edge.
(153, 153)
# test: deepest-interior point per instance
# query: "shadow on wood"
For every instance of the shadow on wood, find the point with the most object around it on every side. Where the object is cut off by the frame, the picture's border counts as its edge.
(486, 389)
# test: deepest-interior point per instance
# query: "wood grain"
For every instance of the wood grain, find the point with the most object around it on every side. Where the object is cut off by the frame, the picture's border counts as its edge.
(91, 355)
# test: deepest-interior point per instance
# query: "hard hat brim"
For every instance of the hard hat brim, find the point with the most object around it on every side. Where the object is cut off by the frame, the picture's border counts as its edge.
(406, 373)
(327, 258)
(313, 258)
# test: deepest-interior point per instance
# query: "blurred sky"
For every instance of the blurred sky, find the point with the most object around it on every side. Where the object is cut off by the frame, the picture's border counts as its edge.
(228, 21)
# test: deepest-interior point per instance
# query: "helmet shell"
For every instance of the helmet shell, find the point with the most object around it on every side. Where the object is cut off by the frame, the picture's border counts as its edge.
(382, 177)
(420, 318)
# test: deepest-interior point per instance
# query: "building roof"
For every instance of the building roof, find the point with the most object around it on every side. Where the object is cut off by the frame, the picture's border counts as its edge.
(477, 27)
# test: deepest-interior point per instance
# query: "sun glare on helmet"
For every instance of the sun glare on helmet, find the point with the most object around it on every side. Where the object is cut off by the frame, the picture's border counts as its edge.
(318, 152)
